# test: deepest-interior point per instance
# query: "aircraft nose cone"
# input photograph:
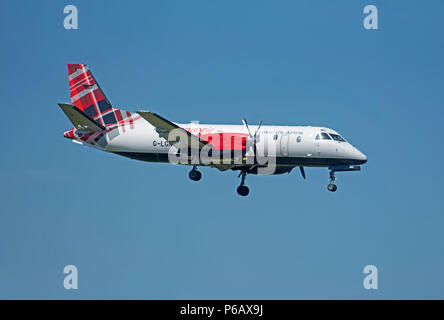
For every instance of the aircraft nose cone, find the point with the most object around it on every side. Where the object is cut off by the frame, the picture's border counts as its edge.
(356, 157)
(363, 158)
(360, 157)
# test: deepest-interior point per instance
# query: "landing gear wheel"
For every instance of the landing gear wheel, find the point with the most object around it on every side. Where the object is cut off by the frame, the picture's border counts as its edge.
(243, 191)
(332, 187)
(195, 175)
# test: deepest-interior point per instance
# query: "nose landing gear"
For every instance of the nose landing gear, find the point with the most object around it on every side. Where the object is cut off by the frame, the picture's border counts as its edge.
(243, 190)
(195, 174)
(332, 187)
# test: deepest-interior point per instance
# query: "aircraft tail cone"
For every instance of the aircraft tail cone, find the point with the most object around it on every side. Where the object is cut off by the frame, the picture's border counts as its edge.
(69, 134)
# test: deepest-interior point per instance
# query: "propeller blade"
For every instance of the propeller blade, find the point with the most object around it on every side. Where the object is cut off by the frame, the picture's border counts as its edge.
(302, 171)
(244, 121)
(257, 130)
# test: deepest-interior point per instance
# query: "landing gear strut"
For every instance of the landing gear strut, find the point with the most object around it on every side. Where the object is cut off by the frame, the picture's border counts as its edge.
(243, 189)
(332, 187)
(195, 174)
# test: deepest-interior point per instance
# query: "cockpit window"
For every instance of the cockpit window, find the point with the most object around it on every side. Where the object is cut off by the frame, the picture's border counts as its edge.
(337, 137)
(325, 136)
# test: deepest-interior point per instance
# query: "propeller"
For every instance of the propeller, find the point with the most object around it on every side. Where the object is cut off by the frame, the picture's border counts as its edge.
(252, 137)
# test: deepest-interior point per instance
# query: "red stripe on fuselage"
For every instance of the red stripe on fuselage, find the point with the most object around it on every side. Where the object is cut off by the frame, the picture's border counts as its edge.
(226, 140)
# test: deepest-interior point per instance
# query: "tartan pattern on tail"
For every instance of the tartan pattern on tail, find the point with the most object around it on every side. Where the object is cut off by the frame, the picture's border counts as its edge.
(87, 95)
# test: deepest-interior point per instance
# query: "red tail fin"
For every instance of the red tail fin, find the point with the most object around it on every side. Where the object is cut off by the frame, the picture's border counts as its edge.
(87, 95)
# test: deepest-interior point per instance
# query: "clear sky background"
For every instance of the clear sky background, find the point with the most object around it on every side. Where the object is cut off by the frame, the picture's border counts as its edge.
(144, 230)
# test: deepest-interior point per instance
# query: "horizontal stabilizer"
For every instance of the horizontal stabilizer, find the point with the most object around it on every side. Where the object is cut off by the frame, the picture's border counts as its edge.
(80, 120)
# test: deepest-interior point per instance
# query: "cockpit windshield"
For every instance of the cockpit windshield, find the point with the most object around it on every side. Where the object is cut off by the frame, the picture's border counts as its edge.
(325, 136)
(322, 136)
(337, 137)
(329, 136)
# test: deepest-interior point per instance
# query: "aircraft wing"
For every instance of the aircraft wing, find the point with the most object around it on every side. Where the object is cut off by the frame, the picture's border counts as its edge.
(79, 119)
(164, 127)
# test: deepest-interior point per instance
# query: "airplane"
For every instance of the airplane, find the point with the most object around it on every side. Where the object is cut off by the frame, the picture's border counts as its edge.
(147, 136)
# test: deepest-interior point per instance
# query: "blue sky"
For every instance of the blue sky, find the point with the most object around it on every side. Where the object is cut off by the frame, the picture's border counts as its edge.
(145, 231)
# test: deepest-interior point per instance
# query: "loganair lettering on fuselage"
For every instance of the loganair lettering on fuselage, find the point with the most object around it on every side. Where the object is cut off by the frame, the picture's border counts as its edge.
(147, 136)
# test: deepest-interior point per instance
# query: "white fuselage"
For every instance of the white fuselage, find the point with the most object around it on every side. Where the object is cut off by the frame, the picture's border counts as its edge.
(291, 145)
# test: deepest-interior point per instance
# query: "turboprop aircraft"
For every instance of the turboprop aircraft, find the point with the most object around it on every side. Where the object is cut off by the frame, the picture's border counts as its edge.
(147, 136)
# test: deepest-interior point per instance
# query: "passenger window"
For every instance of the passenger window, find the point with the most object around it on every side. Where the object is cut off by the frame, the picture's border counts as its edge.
(317, 137)
(298, 139)
(325, 136)
(275, 137)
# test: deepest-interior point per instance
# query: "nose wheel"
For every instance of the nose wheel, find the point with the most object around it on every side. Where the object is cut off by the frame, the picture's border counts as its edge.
(195, 174)
(332, 187)
(243, 190)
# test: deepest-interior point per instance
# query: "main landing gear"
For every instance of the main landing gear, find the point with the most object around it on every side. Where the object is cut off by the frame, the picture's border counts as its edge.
(243, 190)
(195, 174)
(332, 187)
